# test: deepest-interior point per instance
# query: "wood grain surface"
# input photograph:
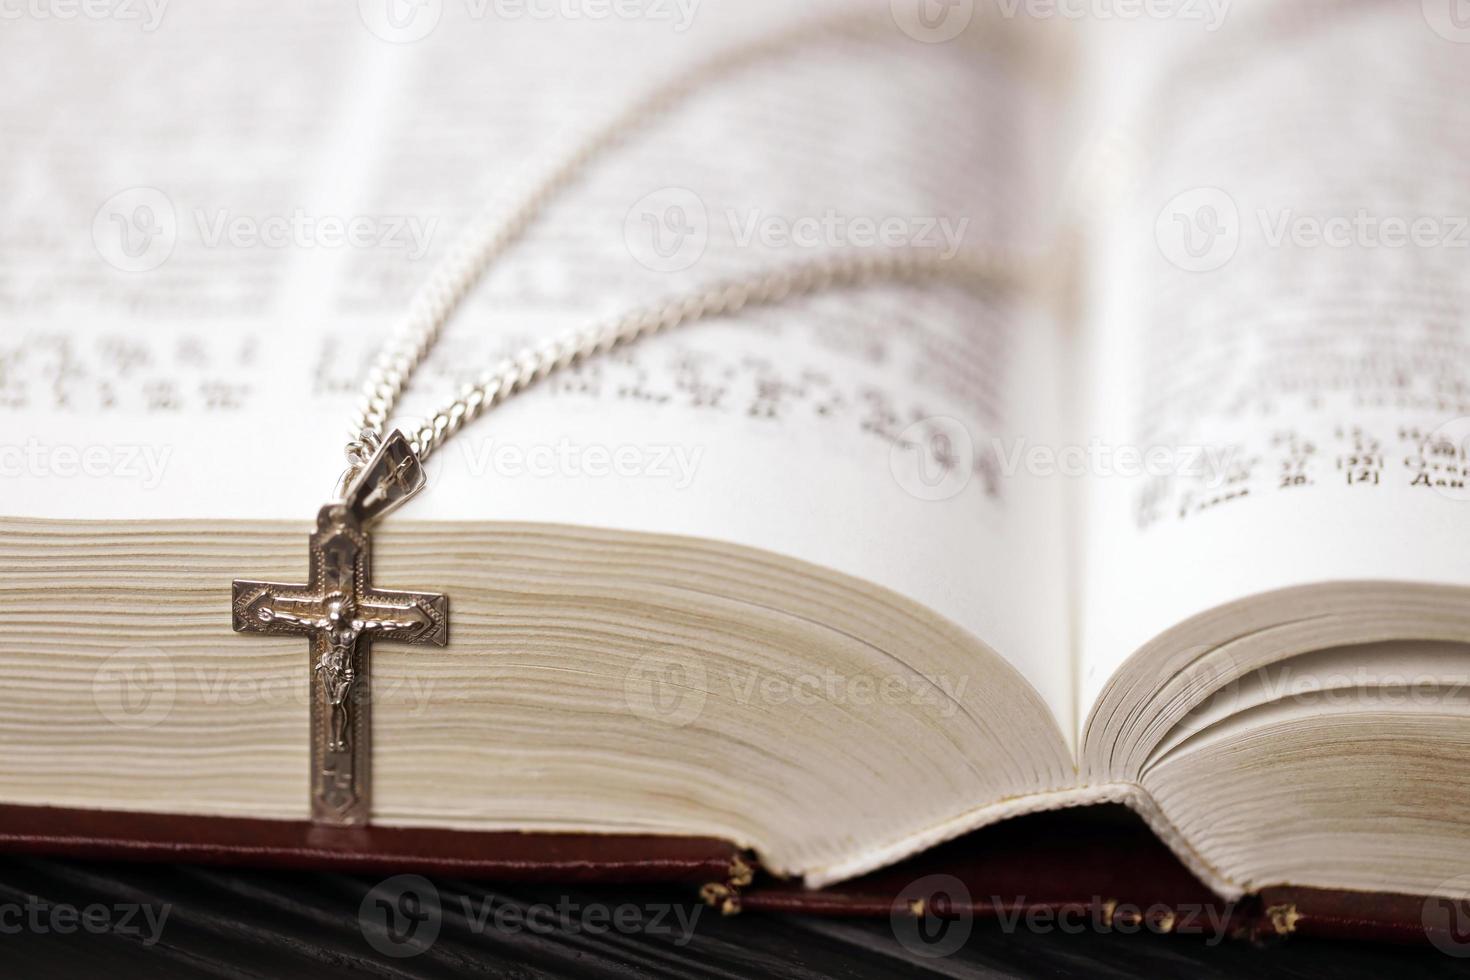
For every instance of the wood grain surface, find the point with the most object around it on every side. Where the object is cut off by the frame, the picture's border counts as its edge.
(226, 923)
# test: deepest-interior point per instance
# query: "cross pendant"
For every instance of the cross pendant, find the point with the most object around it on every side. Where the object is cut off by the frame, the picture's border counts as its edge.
(341, 614)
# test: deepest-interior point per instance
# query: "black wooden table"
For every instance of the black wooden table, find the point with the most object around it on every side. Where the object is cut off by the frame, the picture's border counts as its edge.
(72, 919)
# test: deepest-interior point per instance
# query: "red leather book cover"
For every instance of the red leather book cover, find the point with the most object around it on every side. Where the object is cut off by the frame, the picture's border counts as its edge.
(1098, 868)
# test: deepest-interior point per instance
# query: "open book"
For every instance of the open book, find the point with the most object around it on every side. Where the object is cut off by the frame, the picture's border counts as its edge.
(1175, 517)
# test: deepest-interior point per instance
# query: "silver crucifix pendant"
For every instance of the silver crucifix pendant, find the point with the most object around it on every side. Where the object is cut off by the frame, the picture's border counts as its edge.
(341, 614)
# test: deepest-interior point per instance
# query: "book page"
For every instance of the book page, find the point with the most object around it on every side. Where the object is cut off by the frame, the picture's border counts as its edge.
(203, 251)
(1281, 316)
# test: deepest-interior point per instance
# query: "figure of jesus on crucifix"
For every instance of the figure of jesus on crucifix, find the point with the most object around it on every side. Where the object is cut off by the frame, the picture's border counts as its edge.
(335, 667)
(340, 612)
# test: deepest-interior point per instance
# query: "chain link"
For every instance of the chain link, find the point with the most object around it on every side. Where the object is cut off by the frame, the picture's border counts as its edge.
(490, 235)
(843, 271)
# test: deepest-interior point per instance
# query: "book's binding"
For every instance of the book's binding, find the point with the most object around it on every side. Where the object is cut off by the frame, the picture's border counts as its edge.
(1071, 870)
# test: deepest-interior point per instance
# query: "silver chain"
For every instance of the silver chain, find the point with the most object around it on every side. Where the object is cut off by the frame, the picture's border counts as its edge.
(490, 235)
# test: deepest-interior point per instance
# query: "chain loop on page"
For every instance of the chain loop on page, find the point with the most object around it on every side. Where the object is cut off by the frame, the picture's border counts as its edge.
(492, 234)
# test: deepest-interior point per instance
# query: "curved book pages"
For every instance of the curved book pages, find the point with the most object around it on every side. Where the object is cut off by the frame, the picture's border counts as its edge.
(1176, 519)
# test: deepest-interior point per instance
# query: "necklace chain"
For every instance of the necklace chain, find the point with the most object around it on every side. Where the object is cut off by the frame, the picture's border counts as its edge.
(492, 233)
(843, 271)
(339, 608)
